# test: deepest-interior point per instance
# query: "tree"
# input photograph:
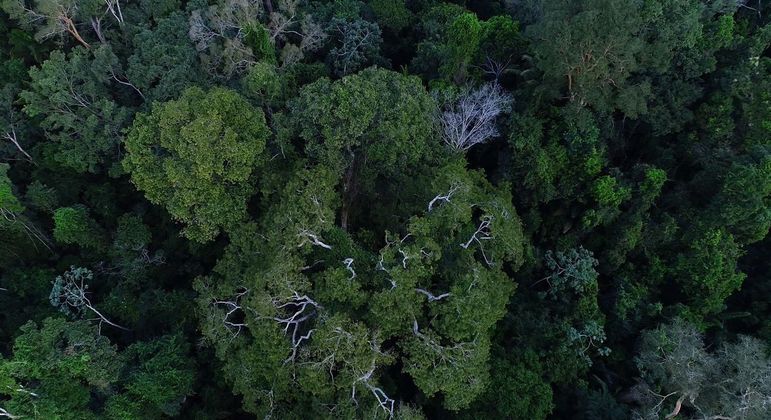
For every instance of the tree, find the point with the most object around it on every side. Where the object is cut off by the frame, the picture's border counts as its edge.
(357, 44)
(164, 61)
(50, 17)
(472, 119)
(680, 375)
(370, 126)
(58, 369)
(318, 308)
(69, 295)
(231, 37)
(72, 97)
(707, 271)
(198, 156)
(157, 378)
(73, 225)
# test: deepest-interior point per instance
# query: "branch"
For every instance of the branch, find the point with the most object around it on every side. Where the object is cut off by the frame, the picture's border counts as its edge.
(446, 198)
(11, 136)
(349, 266)
(296, 306)
(233, 306)
(308, 236)
(6, 414)
(431, 297)
(482, 234)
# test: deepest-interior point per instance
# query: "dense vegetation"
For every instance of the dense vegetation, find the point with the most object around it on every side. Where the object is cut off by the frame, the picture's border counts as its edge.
(292, 209)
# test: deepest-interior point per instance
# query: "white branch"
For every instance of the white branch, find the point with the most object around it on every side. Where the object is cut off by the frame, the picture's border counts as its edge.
(11, 136)
(6, 414)
(295, 307)
(482, 234)
(114, 7)
(349, 266)
(431, 297)
(307, 236)
(446, 198)
(232, 307)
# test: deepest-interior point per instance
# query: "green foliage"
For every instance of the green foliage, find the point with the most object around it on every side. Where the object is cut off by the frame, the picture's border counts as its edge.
(71, 96)
(391, 14)
(58, 370)
(607, 192)
(257, 38)
(517, 389)
(572, 271)
(381, 113)
(8, 200)
(73, 225)
(158, 378)
(337, 259)
(198, 157)
(707, 272)
(357, 44)
(164, 62)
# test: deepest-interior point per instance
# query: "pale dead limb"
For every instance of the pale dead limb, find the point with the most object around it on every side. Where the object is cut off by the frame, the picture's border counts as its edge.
(306, 236)
(446, 198)
(349, 266)
(431, 297)
(30, 230)
(6, 414)
(445, 355)
(386, 403)
(233, 307)
(11, 136)
(113, 6)
(72, 295)
(482, 234)
(126, 83)
(297, 309)
(96, 25)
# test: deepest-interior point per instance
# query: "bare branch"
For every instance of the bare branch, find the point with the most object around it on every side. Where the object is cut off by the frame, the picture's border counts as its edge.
(349, 266)
(472, 119)
(70, 293)
(296, 310)
(431, 297)
(233, 307)
(386, 403)
(446, 198)
(6, 414)
(11, 136)
(307, 236)
(482, 234)
(113, 6)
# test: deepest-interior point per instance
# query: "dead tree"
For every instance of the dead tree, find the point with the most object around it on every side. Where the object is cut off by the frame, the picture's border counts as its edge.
(471, 120)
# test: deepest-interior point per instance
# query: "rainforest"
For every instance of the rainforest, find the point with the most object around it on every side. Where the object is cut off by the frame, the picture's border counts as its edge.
(385, 209)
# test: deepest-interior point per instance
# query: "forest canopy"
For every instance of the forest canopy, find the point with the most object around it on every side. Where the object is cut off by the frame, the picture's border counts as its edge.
(410, 209)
